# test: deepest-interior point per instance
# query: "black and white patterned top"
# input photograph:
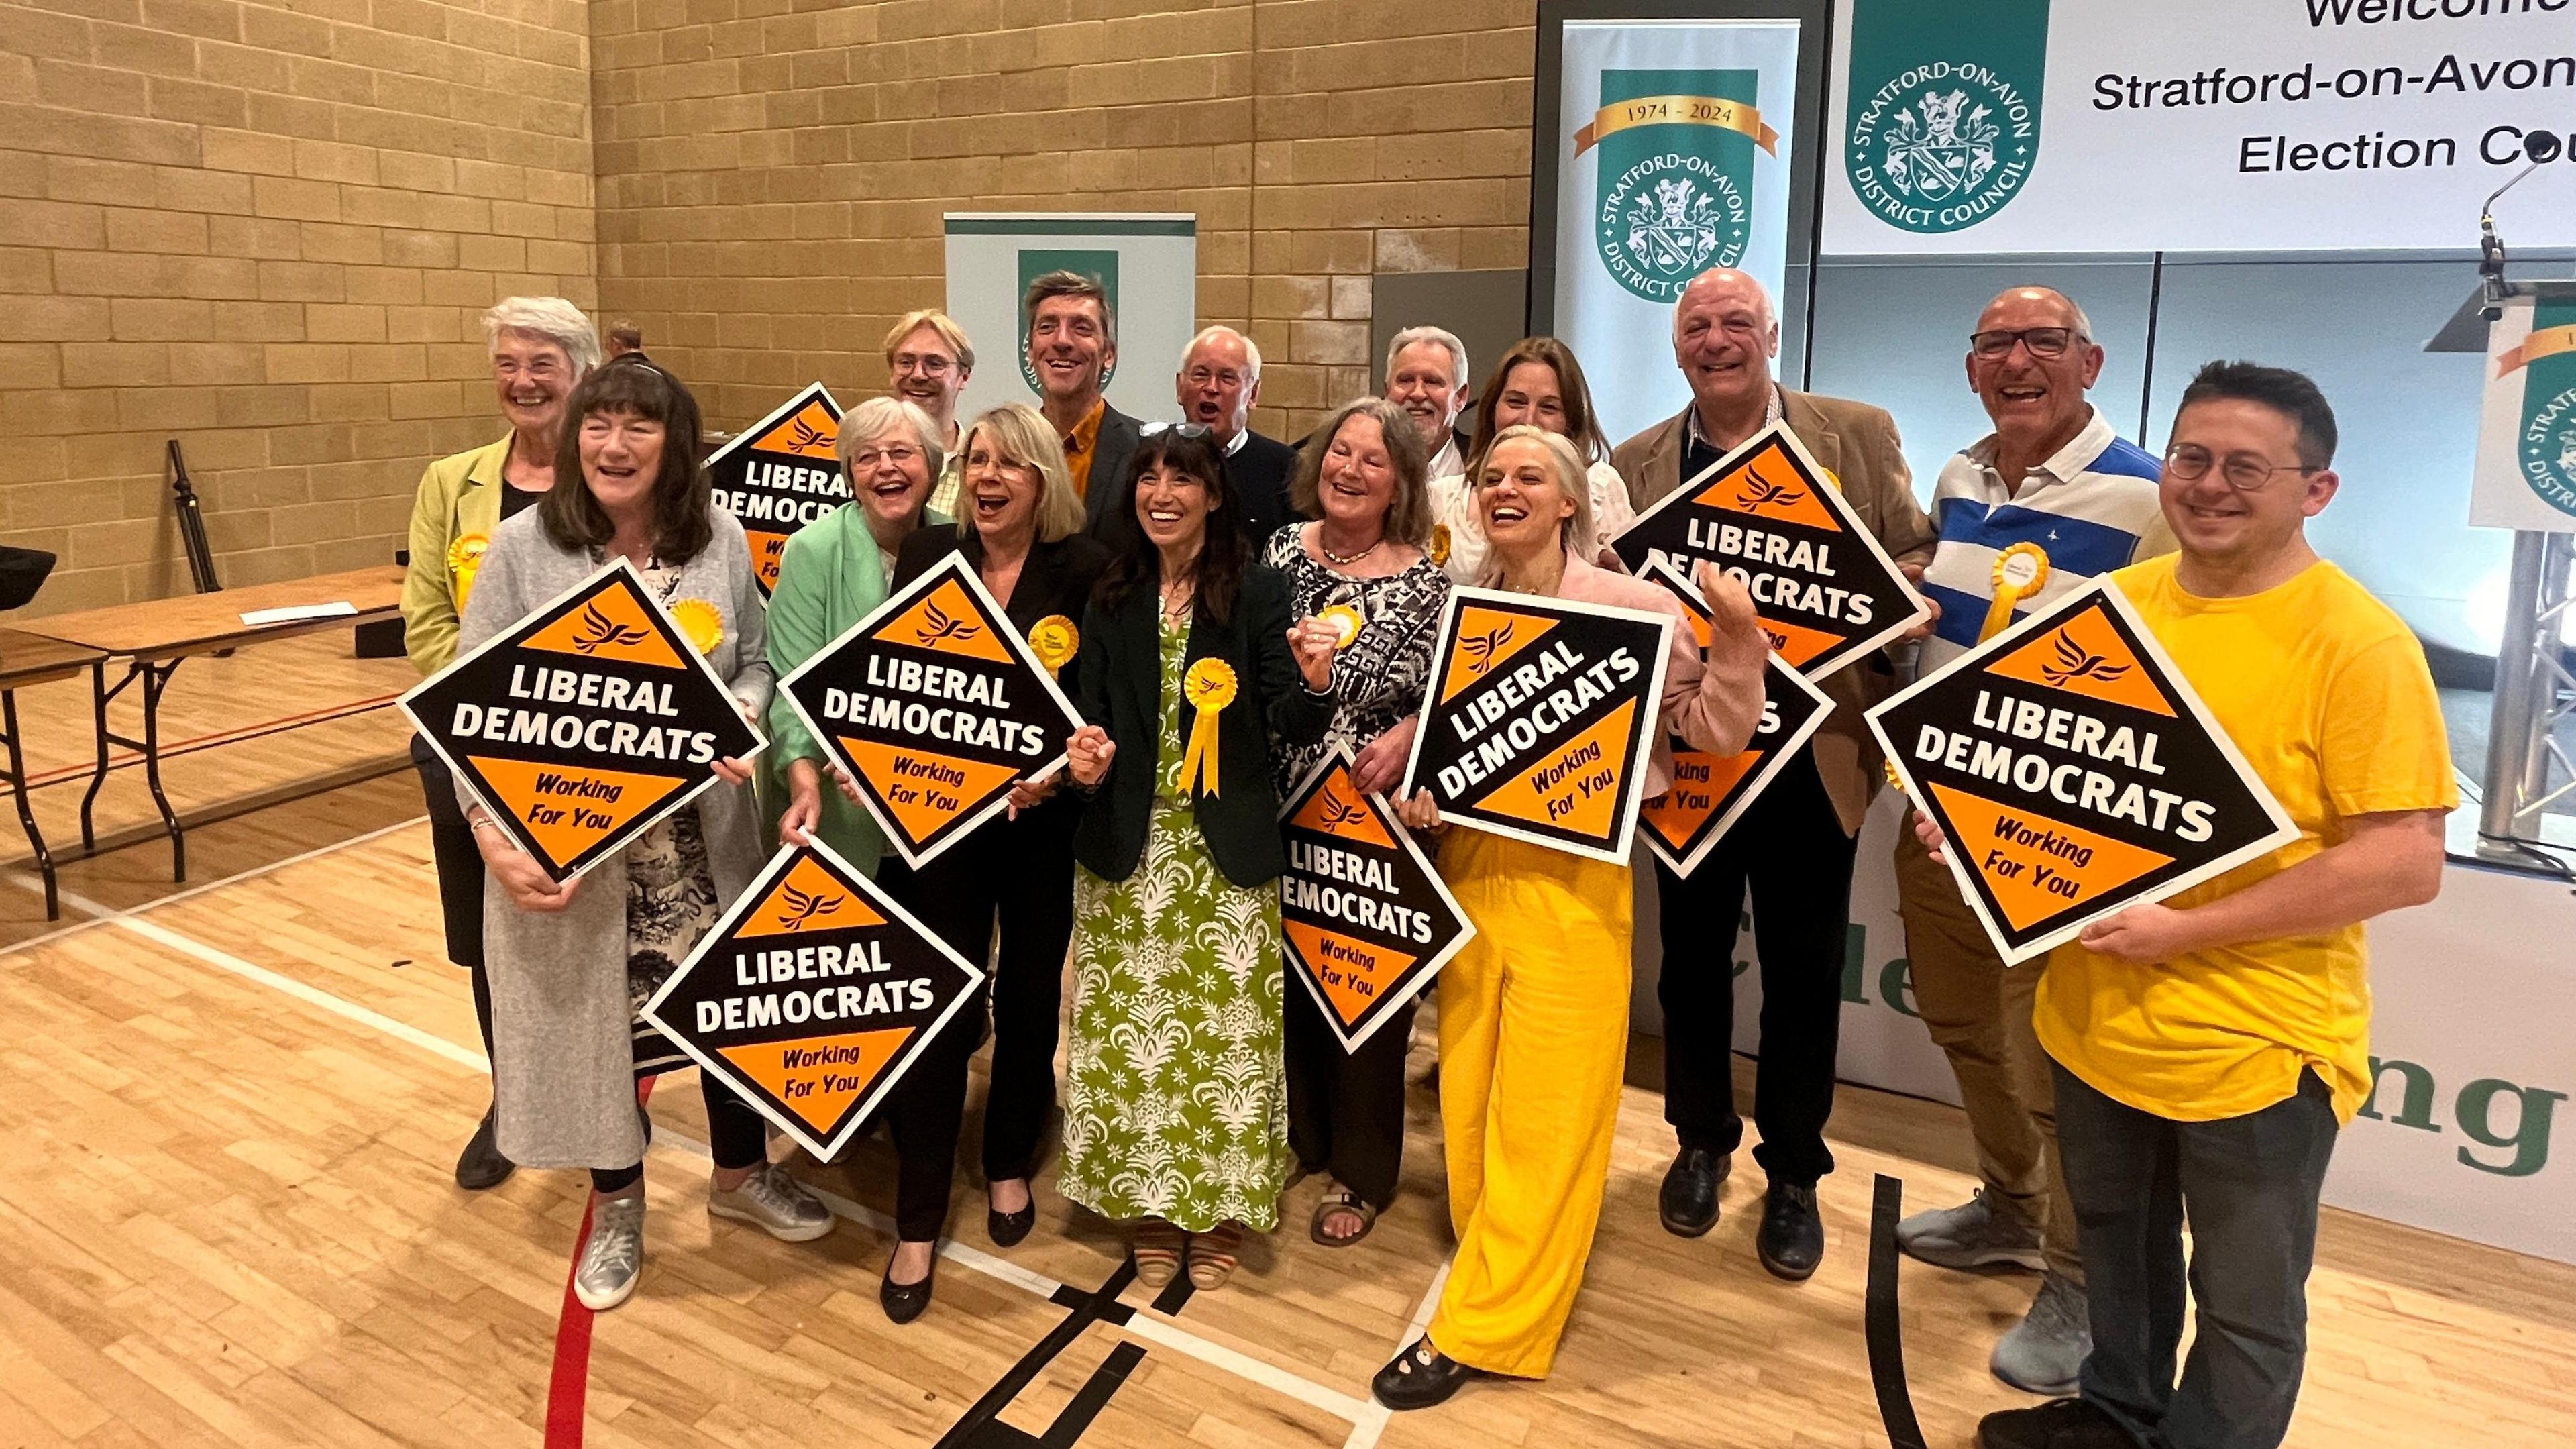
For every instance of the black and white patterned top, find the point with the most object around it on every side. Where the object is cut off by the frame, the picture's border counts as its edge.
(1380, 678)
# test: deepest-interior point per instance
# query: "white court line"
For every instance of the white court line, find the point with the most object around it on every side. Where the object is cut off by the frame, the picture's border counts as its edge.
(1155, 1330)
(100, 915)
(1373, 1415)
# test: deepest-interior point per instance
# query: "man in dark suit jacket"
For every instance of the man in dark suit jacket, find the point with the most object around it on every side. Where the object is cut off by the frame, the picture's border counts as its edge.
(1073, 342)
(1219, 381)
(1795, 844)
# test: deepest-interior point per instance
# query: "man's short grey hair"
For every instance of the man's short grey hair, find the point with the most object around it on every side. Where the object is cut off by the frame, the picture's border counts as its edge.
(1770, 312)
(1441, 335)
(552, 318)
(1251, 351)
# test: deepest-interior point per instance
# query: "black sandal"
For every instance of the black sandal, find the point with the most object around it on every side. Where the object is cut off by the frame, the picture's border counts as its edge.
(1420, 1377)
(1341, 1200)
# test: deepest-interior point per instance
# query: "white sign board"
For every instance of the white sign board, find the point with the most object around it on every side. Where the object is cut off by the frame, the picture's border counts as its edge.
(2526, 470)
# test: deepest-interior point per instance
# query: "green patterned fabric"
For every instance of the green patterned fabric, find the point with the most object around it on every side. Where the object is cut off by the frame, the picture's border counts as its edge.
(1177, 1103)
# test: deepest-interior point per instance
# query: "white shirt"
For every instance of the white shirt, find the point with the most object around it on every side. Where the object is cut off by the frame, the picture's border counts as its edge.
(1453, 508)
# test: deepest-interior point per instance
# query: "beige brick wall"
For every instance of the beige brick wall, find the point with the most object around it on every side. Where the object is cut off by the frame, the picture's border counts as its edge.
(772, 172)
(266, 228)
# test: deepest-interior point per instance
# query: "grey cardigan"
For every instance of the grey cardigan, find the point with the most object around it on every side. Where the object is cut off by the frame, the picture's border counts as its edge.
(563, 1067)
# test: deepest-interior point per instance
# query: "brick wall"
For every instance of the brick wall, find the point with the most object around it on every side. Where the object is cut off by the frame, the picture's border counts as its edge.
(771, 174)
(266, 228)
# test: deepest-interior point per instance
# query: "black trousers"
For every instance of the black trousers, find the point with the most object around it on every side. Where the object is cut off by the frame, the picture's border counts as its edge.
(1790, 851)
(460, 877)
(1346, 1109)
(1017, 874)
(737, 1135)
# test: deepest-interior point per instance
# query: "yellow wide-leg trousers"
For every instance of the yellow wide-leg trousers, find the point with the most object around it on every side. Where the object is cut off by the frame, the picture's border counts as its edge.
(1533, 1041)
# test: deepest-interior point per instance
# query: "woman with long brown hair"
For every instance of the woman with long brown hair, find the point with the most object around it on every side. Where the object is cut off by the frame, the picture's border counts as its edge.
(1538, 384)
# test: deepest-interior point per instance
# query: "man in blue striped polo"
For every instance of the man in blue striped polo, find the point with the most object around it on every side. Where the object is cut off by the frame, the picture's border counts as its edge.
(2027, 514)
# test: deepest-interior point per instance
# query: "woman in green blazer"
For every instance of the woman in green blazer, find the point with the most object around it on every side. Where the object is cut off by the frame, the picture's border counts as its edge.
(835, 571)
(1176, 1106)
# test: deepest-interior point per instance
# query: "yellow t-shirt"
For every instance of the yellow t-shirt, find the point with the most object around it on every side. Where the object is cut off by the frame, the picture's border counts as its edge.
(2325, 692)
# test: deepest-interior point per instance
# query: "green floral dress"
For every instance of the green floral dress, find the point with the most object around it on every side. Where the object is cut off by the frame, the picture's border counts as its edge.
(1176, 1105)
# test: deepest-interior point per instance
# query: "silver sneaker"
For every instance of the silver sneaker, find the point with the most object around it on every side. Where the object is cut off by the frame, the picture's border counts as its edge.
(614, 1257)
(2045, 1351)
(1980, 1233)
(775, 1203)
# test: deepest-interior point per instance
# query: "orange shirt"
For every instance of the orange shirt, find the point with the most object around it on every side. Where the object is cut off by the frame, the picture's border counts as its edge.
(1082, 445)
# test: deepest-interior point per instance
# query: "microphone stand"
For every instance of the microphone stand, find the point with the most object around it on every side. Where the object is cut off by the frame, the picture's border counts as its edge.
(2493, 286)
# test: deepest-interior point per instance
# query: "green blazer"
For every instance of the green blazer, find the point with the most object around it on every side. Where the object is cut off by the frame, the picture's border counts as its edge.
(459, 494)
(830, 577)
(1122, 692)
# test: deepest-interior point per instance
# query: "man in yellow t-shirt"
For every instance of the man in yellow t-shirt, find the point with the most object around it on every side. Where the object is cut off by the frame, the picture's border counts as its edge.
(2207, 1049)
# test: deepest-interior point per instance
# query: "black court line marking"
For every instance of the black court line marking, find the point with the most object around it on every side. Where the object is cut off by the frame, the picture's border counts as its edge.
(1883, 1329)
(1093, 1396)
(981, 1428)
(1175, 1296)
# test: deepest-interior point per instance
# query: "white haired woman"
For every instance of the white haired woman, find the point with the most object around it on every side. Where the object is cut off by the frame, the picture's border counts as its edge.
(1534, 1011)
(834, 572)
(1021, 530)
(541, 347)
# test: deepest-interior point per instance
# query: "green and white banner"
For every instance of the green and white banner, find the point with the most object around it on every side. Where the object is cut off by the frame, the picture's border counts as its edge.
(1147, 263)
(1674, 156)
(2526, 471)
(2011, 127)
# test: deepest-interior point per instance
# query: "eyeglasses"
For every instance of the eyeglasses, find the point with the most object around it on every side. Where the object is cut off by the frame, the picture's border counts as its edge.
(2244, 472)
(927, 364)
(1201, 377)
(2042, 341)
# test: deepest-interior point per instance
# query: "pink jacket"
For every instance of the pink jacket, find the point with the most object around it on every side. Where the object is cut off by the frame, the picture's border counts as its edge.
(1715, 705)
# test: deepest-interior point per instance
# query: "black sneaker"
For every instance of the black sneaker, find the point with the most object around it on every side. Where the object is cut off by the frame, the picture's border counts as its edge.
(481, 1164)
(2059, 1424)
(1420, 1377)
(1792, 1240)
(1688, 1202)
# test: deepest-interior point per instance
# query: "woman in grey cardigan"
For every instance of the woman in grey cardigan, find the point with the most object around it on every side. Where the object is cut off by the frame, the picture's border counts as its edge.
(570, 963)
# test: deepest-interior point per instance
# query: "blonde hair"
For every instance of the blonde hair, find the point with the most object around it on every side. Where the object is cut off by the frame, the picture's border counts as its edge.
(551, 318)
(939, 322)
(1571, 479)
(878, 416)
(1022, 437)
(1408, 512)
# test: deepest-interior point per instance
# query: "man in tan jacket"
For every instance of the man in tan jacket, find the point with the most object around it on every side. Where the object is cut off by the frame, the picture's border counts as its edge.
(1794, 847)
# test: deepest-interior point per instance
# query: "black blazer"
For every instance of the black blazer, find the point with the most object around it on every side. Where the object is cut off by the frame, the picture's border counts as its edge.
(1261, 471)
(1122, 693)
(1112, 451)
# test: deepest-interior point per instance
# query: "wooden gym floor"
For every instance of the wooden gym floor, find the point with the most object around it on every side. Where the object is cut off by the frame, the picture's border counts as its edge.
(230, 1110)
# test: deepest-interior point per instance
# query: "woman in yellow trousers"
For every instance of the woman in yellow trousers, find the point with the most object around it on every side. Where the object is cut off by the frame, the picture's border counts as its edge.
(1534, 1011)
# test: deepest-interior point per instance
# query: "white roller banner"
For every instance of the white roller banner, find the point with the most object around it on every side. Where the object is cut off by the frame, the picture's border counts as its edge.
(1148, 263)
(1674, 153)
(2025, 126)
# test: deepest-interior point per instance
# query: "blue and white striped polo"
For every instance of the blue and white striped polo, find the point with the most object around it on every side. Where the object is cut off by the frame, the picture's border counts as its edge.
(2092, 508)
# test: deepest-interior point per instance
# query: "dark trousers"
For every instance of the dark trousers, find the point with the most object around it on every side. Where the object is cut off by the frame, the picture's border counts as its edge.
(1346, 1109)
(460, 877)
(2248, 1186)
(737, 1135)
(1790, 851)
(1018, 873)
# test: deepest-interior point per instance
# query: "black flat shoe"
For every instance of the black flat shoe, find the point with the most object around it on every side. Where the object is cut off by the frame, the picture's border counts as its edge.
(1006, 1229)
(1420, 1377)
(1688, 1202)
(1792, 1240)
(2059, 1424)
(481, 1164)
(904, 1302)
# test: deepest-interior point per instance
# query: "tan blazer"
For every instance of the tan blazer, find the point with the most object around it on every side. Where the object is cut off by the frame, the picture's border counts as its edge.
(1856, 443)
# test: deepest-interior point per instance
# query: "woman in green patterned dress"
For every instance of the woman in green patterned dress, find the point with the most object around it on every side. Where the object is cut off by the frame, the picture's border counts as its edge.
(1176, 1108)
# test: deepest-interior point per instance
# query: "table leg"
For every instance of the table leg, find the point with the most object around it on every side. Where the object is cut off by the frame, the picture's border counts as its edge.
(98, 705)
(156, 678)
(27, 817)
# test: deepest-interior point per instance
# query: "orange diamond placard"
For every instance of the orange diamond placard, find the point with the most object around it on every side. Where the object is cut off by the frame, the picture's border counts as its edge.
(1711, 792)
(1367, 922)
(813, 995)
(2074, 773)
(586, 722)
(780, 474)
(935, 705)
(1826, 589)
(1537, 721)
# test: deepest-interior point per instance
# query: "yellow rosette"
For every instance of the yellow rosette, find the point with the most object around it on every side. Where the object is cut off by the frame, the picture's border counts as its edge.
(1054, 640)
(1347, 623)
(2020, 571)
(1440, 545)
(464, 558)
(699, 620)
(1209, 687)
(1888, 767)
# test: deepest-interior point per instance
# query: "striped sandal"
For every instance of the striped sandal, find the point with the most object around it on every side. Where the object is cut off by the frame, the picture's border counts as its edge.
(1157, 1252)
(1213, 1255)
